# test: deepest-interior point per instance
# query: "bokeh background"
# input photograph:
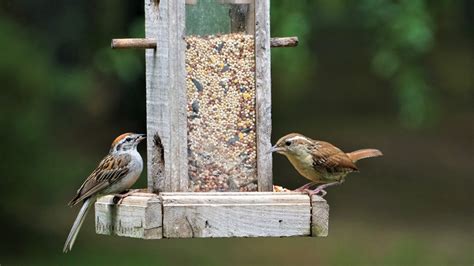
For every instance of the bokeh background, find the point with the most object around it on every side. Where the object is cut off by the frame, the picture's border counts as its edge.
(395, 75)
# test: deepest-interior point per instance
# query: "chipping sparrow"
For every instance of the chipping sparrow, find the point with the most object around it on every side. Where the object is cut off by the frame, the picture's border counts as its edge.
(320, 161)
(118, 171)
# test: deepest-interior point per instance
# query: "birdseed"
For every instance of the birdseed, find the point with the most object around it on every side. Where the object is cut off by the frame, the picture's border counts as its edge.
(221, 112)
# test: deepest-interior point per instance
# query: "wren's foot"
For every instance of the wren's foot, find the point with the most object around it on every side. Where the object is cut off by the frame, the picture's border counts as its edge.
(119, 197)
(322, 187)
(304, 187)
(316, 192)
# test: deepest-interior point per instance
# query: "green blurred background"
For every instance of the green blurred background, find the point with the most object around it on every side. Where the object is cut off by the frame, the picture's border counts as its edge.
(395, 75)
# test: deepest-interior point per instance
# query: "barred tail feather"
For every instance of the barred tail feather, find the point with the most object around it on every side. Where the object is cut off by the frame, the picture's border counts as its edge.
(364, 153)
(77, 224)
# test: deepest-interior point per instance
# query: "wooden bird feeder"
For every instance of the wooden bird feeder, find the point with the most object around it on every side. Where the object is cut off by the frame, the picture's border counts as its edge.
(208, 100)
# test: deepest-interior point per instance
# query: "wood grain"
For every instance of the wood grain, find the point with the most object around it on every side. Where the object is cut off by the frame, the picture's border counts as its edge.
(137, 43)
(235, 215)
(319, 216)
(276, 42)
(263, 95)
(166, 96)
(213, 214)
(138, 216)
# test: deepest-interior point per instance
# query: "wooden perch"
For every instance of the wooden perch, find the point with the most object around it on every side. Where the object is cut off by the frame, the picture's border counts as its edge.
(284, 42)
(142, 43)
(211, 214)
(133, 43)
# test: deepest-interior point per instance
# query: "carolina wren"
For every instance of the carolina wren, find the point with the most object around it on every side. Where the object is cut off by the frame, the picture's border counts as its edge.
(320, 161)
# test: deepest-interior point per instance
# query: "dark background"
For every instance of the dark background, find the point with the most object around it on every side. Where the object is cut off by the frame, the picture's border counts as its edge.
(393, 75)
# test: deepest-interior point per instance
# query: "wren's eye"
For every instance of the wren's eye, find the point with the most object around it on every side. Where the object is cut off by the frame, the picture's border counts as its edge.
(287, 143)
(128, 139)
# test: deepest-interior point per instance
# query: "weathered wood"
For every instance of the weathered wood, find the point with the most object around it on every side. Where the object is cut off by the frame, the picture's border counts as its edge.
(141, 43)
(213, 214)
(138, 43)
(284, 42)
(319, 216)
(138, 216)
(229, 214)
(166, 96)
(263, 94)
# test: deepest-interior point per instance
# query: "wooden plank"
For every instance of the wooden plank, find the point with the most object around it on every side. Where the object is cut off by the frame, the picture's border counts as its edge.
(138, 216)
(225, 214)
(319, 216)
(213, 214)
(263, 95)
(166, 96)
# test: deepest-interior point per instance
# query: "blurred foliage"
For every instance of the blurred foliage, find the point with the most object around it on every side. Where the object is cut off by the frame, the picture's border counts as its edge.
(396, 75)
(399, 35)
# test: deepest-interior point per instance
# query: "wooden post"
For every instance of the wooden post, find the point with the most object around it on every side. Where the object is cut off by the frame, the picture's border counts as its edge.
(166, 96)
(319, 216)
(263, 94)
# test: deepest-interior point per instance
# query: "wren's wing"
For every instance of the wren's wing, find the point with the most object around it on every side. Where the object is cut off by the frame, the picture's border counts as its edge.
(110, 169)
(331, 159)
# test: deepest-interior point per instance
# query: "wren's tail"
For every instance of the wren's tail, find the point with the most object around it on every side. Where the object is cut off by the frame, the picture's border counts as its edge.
(364, 153)
(77, 224)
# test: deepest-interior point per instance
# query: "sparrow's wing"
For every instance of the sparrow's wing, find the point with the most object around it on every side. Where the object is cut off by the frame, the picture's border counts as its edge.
(331, 158)
(110, 169)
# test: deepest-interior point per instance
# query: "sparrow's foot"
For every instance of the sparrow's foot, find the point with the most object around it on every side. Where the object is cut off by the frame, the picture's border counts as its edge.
(119, 197)
(304, 187)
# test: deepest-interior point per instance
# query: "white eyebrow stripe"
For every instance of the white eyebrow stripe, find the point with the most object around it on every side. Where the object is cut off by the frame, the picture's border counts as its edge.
(299, 137)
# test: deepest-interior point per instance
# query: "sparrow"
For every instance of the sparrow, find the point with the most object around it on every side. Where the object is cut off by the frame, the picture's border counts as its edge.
(117, 172)
(320, 161)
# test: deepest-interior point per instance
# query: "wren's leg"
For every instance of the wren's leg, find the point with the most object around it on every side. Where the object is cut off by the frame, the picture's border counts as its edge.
(322, 187)
(305, 187)
(119, 197)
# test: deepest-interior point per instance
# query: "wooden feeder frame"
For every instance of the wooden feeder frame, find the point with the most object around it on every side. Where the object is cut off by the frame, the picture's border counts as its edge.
(167, 209)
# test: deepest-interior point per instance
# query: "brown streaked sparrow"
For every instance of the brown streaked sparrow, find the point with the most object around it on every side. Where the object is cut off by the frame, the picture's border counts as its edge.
(117, 172)
(320, 161)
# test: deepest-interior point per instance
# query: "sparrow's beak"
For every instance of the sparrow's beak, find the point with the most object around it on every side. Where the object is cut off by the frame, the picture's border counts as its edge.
(275, 149)
(141, 137)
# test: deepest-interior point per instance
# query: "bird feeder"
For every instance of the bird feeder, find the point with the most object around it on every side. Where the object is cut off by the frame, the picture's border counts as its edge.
(208, 100)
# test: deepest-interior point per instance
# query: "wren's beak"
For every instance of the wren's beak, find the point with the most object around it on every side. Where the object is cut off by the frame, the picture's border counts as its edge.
(275, 149)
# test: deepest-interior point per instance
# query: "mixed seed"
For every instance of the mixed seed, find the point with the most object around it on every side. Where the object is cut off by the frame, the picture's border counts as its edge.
(221, 112)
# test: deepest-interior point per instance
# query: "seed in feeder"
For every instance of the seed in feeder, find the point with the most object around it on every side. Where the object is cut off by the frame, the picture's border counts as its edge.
(246, 130)
(225, 68)
(219, 47)
(233, 140)
(198, 85)
(195, 107)
(246, 96)
(225, 128)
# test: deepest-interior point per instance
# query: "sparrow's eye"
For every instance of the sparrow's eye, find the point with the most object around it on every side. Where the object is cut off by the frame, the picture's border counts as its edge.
(128, 139)
(287, 143)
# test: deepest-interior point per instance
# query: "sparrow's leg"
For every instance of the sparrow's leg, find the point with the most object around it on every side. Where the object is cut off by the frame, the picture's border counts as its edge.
(305, 187)
(119, 197)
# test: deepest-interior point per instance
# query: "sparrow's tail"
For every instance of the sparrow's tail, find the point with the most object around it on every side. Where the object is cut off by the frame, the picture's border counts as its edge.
(77, 224)
(362, 154)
